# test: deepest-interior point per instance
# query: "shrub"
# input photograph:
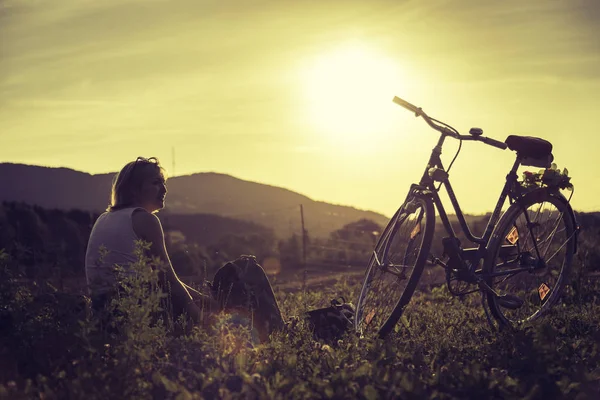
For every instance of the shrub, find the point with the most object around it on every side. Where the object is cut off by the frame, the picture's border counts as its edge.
(54, 345)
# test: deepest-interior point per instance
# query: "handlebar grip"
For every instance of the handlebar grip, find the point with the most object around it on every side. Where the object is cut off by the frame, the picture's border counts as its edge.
(406, 105)
(494, 142)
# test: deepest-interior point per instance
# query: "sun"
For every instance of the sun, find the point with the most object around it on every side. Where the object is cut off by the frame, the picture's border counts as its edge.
(349, 92)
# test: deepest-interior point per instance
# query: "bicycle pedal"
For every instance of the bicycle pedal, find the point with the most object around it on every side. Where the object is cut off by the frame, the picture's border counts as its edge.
(437, 261)
(509, 301)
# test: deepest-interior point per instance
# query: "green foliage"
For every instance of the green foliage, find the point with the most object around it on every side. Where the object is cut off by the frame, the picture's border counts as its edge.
(54, 345)
(551, 177)
(47, 242)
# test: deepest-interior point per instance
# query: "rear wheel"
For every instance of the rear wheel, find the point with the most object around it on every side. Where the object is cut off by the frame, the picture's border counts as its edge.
(530, 257)
(395, 267)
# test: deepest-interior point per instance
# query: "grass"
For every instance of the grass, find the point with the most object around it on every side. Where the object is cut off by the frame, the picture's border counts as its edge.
(54, 346)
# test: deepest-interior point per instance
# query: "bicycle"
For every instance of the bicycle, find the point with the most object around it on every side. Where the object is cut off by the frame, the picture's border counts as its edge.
(520, 264)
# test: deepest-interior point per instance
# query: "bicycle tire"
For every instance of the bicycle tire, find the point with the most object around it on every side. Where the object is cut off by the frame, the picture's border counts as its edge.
(525, 238)
(407, 239)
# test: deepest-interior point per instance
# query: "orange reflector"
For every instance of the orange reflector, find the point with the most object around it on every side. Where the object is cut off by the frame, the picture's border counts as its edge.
(513, 235)
(416, 230)
(369, 316)
(543, 291)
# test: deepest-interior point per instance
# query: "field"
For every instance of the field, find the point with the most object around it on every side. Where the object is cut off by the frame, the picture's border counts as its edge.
(54, 347)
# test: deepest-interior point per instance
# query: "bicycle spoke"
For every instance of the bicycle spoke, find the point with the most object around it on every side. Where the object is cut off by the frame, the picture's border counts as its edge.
(510, 276)
(560, 248)
(548, 238)
(559, 219)
(398, 268)
(529, 228)
(507, 263)
(376, 258)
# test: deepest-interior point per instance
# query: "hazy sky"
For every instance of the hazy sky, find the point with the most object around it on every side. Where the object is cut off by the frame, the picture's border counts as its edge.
(298, 93)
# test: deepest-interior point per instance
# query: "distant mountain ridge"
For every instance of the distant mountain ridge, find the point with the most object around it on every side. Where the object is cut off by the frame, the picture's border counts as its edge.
(201, 193)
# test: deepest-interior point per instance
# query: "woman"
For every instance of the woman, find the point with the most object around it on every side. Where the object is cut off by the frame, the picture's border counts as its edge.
(138, 192)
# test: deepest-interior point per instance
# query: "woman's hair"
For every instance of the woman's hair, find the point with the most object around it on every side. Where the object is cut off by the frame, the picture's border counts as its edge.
(128, 182)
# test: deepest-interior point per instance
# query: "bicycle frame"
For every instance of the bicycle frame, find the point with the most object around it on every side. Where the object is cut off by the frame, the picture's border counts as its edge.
(427, 187)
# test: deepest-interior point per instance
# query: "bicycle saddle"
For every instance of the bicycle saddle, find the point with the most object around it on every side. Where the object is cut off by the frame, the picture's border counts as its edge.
(529, 147)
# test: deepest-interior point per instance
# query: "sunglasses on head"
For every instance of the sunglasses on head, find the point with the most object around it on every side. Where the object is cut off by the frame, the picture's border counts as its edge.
(142, 161)
(145, 160)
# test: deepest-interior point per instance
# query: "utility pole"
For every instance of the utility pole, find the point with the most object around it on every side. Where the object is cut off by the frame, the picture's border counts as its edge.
(303, 246)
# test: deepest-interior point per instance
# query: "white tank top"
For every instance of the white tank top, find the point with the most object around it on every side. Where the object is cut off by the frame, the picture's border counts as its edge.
(113, 231)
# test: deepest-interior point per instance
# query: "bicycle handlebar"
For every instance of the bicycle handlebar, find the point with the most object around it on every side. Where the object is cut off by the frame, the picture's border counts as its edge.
(493, 142)
(444, 130)
(407, 105)
(420, 113)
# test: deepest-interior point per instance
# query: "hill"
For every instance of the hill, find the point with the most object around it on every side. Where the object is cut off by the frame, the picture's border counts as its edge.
(201, 193)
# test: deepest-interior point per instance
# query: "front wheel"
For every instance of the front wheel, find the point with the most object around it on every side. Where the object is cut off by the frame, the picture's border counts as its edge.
(530, 256)
(395, 267)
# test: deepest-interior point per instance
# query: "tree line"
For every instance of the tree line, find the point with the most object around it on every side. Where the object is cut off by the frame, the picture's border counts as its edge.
(51, 243)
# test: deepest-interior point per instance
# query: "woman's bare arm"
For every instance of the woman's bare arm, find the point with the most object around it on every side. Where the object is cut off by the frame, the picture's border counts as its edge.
(148, 227)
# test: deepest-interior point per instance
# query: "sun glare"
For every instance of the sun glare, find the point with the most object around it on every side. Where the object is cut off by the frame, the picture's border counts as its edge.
(349, 93)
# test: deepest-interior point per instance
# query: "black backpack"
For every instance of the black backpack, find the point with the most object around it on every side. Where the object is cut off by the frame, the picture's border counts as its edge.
(242, 284)
(331, 323)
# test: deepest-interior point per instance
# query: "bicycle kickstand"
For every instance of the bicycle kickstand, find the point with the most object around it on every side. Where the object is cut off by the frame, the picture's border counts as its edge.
(487, 312)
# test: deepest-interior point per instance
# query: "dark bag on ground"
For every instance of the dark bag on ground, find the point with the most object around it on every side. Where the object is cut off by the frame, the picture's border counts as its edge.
(331, 323)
